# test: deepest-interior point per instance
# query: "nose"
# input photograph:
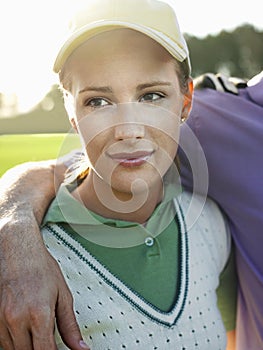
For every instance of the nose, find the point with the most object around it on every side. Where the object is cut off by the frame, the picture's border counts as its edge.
(129, 131)
(129, 125)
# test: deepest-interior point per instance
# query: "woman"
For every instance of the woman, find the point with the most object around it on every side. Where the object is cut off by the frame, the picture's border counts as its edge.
(143, 273)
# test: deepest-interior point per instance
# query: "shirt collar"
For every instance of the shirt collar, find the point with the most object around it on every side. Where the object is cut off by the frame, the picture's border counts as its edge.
(65, 208)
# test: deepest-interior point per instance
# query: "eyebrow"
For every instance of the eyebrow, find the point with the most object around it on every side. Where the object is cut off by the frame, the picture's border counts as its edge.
(107, 89)
(153, 84)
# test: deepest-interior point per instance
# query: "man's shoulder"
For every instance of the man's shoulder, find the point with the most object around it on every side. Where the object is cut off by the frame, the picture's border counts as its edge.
(220, 82)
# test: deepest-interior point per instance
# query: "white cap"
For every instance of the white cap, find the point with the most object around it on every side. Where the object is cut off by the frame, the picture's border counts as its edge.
(153, 18)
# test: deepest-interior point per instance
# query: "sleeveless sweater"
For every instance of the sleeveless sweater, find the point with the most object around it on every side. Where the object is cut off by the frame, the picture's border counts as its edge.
(111, 316)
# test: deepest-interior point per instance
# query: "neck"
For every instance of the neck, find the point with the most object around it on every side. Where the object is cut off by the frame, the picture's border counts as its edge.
(101, 198)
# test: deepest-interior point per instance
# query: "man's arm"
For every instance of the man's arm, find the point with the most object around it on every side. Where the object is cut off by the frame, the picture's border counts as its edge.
(31, 184)
(32, 289)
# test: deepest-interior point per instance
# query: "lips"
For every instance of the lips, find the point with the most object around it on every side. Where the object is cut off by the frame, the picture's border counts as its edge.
(131, 159)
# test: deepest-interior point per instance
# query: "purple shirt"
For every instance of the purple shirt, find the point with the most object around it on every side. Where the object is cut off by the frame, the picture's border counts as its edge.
(230, 131)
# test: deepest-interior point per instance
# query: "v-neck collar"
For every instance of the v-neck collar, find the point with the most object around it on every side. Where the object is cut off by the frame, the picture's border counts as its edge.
(153, 313)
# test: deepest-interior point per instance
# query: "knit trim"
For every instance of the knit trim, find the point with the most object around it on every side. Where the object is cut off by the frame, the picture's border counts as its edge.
(153, 313)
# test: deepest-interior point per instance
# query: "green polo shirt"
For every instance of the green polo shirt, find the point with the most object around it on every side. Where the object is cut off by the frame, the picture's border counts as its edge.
(145, 257)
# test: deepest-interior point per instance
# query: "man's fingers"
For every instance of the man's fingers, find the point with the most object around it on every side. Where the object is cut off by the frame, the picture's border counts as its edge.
(44, 342)
(5, 339)
(42, 321)
(29, 327)
(14, 335)
(18, 338)
(22, 340)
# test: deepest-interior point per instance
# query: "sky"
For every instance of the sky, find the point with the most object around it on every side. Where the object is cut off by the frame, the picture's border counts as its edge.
(30, 31)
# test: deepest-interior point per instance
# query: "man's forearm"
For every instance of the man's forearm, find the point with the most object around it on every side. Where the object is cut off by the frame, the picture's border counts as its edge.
(33, 292)
(28, 188)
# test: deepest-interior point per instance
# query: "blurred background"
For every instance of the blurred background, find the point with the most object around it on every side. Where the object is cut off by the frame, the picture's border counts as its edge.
(224, 36)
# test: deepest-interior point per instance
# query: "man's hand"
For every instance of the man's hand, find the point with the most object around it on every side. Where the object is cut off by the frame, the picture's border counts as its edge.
(32, 289)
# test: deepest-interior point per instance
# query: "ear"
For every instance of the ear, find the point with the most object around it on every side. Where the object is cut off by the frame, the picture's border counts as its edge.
(69, 106)
(73, 123)
(188, 98)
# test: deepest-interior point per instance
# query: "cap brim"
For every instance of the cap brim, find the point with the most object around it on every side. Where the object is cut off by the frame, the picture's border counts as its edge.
(90, 30)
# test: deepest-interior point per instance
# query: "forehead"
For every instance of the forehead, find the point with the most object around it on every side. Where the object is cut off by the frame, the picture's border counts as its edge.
(121, 42)
(121, 56)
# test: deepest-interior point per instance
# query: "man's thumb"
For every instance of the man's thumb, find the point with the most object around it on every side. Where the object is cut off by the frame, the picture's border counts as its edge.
(67, 324)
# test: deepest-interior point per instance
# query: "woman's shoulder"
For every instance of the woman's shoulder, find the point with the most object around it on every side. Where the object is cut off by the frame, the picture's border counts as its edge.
(198, 204)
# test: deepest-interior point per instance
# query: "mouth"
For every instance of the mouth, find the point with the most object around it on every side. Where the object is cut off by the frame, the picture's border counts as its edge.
(133, 159)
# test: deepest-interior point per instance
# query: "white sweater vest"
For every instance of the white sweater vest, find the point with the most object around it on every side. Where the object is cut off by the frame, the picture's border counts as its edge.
(111, 316)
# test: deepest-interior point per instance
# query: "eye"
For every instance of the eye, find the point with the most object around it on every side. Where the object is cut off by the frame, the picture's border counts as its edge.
(96, 102)
(151, 97)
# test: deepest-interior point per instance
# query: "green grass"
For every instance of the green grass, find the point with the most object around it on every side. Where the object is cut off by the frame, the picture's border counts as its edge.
(16, 149)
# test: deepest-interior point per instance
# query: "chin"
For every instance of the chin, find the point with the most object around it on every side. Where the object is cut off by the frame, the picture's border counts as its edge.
(135, 184)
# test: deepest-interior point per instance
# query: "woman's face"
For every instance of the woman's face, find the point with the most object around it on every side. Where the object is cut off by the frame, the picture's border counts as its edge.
(128, 107)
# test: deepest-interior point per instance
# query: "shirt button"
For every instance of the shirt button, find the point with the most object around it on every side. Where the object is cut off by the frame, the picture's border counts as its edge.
(149, 241)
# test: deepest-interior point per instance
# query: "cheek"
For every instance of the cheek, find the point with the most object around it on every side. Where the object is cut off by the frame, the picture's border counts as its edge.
(95, 147)
(93, 124)
(93, 138)
(90, 133)
(167, 148)
(167, 133)
(167, 145)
